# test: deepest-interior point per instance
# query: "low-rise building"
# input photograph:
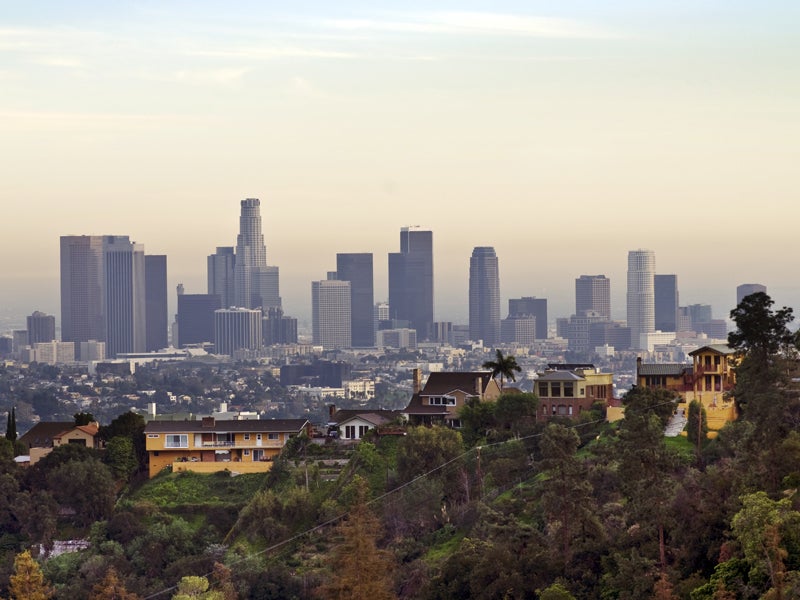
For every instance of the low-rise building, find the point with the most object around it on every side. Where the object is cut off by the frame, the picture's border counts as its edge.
(210, 445)
(567, 390)
(444, 393)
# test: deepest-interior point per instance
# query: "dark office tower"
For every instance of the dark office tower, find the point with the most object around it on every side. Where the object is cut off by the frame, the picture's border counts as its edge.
(699, 314)
(484, 296)
(124, 295)
(666, 299)
(220, 275)
(196, 318)
(82, 294)
(279, 329)
(641, 295)
(41, 328)
(411, 280)
(251, 255)
(531, 307)
(593, 293)
(357, 269)
(155, 290)
(748, 288)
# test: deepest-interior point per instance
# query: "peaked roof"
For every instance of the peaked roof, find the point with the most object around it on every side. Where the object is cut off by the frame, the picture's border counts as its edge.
(718, 348)
(376, 417)
(559, 376)
(449, 381)
(41, 435)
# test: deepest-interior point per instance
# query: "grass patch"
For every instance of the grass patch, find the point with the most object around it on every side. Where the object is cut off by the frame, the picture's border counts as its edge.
(178, 489)
(682, 446)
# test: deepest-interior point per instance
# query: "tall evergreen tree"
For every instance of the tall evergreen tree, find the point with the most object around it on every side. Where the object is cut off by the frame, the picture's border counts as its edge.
(27, 582)
(11, 426)
(359, 570)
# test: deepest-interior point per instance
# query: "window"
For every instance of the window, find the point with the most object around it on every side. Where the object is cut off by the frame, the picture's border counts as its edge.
(543, 390)
(350, 432)
(562, 410)
(569, 410)
(153, 435)
(272, 436)
(544, 409)
(176, 440)
(555, 390)
(569, 391)
(246, 437)
(247, 452)
(362, 430)
(442, 401)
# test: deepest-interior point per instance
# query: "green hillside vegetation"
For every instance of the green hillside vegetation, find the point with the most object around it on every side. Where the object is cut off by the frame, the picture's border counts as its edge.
(505, 508)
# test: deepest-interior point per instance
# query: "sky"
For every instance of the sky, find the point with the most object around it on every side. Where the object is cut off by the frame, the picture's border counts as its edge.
(563, 134)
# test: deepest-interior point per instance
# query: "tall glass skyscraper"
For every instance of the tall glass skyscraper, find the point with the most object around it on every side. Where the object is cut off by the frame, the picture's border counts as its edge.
(220, 275)
(484, 296)
(411, 280)
(357, 269)
(330, 307)
(124, 295)
(255, 284)
(82, 289)
(641, 294)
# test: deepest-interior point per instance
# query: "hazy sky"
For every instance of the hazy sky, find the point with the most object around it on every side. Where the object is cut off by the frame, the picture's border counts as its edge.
(562, 133)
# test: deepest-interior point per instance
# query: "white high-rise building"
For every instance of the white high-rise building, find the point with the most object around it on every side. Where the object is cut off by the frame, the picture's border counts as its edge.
(641, 295)
(237, 329)
(330, 306)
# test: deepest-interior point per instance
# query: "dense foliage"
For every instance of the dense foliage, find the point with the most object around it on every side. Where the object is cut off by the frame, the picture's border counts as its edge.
(507, 507)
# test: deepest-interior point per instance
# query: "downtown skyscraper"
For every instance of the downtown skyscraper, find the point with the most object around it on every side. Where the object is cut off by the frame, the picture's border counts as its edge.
(82, 288)
(641, 294)
(256, 285)
(330, 313)
(124, 289)
(411, 280)
(357, 269)
(484, 296)
(665, 288)
(221, 280)
(593, 293)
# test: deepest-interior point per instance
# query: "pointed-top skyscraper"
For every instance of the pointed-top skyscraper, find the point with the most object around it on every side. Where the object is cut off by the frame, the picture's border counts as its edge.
(256, 284)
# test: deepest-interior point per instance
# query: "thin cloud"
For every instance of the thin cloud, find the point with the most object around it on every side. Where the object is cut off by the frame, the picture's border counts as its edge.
(493, 24)
(269, 53)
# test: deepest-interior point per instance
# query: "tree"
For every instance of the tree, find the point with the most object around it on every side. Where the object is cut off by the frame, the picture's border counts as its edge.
(426, 448)
(85, 486)
(111, 588)
(505, 366)
(11, 425)
(195, 588)
(359, 570)
(761, 333)
(514, 411)
(696, 425)
(120, 456)
(83, 418)
(27, 582)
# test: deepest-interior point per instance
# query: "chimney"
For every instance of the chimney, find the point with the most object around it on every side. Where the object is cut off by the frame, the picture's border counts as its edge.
(331, 411)
(208, 423)
(478, 387)
(417, 380)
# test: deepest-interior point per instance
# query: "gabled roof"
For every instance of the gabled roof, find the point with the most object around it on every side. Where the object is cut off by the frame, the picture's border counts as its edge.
(239, 426)
(717, 348)
(41, 435)
(90, 429)
(442, 383)
(673, 369)
(376, 417)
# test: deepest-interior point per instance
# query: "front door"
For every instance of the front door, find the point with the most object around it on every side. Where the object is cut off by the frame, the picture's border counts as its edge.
(258, 439)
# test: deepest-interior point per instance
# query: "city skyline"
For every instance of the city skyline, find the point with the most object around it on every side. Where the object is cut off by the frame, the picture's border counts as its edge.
(671, 126)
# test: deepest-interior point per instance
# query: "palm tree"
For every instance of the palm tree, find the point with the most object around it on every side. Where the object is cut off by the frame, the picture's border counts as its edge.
(505, 366)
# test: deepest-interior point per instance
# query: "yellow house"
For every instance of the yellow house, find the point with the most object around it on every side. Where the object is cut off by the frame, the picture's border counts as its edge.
(210, 445)
(713, 381)
(567, 390)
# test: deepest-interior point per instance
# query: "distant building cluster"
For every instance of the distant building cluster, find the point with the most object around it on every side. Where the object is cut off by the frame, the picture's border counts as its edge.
(114, 303)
